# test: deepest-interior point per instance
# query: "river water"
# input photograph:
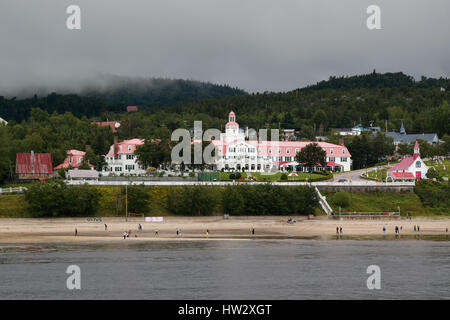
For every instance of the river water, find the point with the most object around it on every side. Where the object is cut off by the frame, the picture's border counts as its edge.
(235, 269)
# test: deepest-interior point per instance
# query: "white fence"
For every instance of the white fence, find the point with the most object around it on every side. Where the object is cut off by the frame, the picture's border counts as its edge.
(323, 203)
(226, 183)
(12, 190)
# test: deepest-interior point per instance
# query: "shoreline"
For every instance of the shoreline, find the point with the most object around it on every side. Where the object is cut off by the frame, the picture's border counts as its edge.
(62, 230)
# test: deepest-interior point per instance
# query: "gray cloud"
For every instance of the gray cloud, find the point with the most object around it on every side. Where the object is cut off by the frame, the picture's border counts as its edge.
(257, 45)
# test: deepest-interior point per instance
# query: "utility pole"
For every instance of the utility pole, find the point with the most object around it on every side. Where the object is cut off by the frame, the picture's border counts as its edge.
(126, 202)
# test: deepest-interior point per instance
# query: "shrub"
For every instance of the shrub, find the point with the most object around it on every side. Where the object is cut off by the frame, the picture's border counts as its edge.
(268, 199)
(197, 200)
(342, 199)
(284, 177)
(138, 199)
(56, 199)
(432, 174)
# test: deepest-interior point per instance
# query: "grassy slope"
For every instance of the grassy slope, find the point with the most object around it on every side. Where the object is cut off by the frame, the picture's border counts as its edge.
(383, 201)
(112, 203)
(13, 206)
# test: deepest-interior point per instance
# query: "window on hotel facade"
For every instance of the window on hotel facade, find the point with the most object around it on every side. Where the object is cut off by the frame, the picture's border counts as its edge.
(332, 159)
(296, 150)
(129, 148)
(331, 151)
(344, 159)
(418, 164)
(288, 151)
(270, 150)
(279, 150)
(343, 151)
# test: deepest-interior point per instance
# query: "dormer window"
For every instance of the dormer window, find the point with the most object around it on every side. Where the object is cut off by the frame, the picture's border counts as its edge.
(331, 151)
(343, 151)
(129, 148)
(288, 151)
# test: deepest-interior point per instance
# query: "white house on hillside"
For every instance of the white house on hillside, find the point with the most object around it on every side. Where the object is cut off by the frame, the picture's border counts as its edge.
(122, 160)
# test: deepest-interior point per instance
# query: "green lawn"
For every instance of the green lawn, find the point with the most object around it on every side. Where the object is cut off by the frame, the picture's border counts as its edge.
(225, 176)
(378, 174)
(302, 176)
(383, 201)
(442, 167)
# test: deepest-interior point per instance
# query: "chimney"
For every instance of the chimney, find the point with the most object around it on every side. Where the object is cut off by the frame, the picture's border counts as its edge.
(116, 147)
(32, 161)
(341, 141)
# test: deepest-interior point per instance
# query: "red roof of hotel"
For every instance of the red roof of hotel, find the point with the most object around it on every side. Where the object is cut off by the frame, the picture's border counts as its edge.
(42, 163)
(402, 175)
(132, 108)
(338, 150)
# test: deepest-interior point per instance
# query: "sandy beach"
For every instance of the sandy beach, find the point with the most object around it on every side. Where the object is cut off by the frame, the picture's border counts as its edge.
(194, 228)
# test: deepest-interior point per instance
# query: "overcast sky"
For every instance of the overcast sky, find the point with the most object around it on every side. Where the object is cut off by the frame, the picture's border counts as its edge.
(257, 45)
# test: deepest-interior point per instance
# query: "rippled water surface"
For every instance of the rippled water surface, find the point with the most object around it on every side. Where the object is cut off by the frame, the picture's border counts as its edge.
(239, 269)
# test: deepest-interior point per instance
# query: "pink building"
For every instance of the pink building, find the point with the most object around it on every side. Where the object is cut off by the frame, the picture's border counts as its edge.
(74, 160)
(235, 151)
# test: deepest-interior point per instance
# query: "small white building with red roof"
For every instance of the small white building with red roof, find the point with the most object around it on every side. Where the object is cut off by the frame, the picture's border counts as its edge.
(235, 152)
(121, 158)
(74, 160)
(410, 168)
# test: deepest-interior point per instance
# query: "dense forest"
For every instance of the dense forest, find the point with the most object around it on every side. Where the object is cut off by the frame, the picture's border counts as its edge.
(58, 122)
(114, 95)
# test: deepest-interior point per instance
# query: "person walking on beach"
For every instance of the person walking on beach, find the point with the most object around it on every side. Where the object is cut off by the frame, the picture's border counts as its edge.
(139, 227)
(253, 231)
(418, 228)
(177, 232)
(124, 235)
(337, 230)
(340, 230)
(415, 229)
(384, 229)
(207, 232)
(156, 232)
(76, 232)
(106, 227)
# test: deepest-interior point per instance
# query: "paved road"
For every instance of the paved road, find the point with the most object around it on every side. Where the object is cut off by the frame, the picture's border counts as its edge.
(355, 175)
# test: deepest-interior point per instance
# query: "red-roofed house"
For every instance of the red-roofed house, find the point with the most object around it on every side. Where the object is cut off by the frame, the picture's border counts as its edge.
(74, 160)
(132, 108)
(34, 166)
(121, 158)
(410, 168)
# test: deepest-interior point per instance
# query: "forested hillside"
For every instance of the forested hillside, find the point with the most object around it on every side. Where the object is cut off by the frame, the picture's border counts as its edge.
(114, 95)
